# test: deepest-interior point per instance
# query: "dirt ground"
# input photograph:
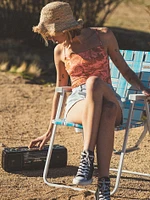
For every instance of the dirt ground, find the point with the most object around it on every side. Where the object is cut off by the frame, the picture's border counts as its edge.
(24, 114)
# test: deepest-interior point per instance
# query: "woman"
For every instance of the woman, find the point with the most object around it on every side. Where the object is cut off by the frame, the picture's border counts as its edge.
(82, 54)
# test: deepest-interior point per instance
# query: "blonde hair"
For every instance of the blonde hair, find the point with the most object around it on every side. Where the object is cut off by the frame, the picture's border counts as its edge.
(45, 34)
(42, 30)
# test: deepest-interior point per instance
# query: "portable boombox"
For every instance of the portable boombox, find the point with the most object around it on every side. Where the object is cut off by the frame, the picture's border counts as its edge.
(23, 158)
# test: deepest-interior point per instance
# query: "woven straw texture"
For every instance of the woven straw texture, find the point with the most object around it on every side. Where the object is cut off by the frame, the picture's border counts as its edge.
(57, 17)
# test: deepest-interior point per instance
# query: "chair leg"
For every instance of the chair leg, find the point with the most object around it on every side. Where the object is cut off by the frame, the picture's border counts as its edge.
(119, 170)
(49, 154)
(148, 115)
(146, 125)
(142, 135)
(138, 142)
(46, 169)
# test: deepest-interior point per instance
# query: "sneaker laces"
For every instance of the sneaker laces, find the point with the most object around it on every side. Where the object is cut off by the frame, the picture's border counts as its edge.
(104, 189)
(86, 163)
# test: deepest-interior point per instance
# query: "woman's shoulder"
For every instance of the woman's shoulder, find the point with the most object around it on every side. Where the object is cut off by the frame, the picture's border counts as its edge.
(59, 53)
(105, 31)
(58, 50)
(105, 34)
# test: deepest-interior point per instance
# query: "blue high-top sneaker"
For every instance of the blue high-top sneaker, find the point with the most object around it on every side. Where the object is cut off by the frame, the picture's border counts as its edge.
(103, 189)
(85, 170)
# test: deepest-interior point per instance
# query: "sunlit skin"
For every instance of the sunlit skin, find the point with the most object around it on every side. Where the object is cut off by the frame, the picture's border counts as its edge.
(100, 111)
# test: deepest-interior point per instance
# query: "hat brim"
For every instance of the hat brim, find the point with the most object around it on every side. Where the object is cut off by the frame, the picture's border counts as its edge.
(53, 29)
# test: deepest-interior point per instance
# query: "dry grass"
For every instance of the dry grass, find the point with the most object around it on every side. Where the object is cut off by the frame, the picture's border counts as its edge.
(131, 15)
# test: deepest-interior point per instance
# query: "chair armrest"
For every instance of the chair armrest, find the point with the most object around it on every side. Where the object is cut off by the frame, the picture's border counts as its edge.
(135, 97)
(63, 122)
(63, 89)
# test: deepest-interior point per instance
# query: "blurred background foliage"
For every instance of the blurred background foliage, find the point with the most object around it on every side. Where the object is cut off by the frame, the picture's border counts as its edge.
(24, 52)
(18, 16)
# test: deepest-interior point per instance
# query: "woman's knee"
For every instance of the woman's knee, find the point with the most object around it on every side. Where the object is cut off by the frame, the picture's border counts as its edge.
(109, 110)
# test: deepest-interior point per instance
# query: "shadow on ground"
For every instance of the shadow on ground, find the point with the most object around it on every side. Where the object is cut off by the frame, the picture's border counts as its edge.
(53, 172)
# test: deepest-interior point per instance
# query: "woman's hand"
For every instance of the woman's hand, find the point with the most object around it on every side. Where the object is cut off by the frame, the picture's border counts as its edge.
(146, 92)
(40, 141)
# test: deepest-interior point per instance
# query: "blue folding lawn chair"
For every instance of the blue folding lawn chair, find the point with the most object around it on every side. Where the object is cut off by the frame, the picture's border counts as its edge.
(136, 111)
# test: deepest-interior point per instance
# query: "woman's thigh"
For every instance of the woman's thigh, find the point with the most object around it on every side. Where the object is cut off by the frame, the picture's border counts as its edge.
(76, 112)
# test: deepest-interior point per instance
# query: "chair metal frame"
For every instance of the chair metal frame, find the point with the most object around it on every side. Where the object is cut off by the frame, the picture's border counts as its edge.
(57, 121)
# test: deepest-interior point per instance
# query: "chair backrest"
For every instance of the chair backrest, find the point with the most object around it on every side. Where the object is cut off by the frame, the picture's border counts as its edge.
(139, 62)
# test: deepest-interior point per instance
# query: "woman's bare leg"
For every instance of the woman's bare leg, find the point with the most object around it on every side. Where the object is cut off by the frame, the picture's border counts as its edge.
(105, 138)
(98, 113)
(90, 109)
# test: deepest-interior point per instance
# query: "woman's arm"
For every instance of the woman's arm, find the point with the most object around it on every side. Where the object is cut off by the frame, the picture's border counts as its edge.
(61, 80)
(118, 60)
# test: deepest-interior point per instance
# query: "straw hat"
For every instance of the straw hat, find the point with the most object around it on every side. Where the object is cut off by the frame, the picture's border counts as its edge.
(57, 17)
